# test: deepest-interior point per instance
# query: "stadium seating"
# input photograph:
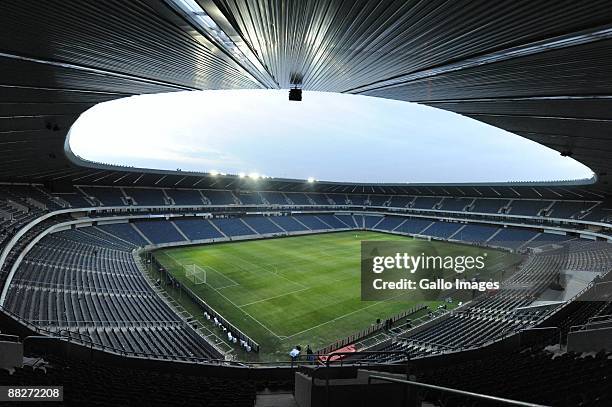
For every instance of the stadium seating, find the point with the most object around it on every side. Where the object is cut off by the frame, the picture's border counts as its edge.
(299, 199)
(108, 196)
(338, 199)
(332, 221)
(546, 239)
(126, 232)
(159, 231)
(489, 205)
(146, 196)
(371, 221)
(262, 225)
(379, 200)
(512, 238)
(249, 198)
(185, 196)
(288, 224)
(197, 229)
(528, 207)
(219, 197)
(312, 222)
(232, 227)
(454, 204)
(389, 223)
(400, 201)
(425, 202)
(318, 199)
(356, 199)
(274, 198)
(75, 200)
(348, 220)
(106, 384)
(476, 233)
(443, 230)
(87, 281)
(414, 225)
(568, 209)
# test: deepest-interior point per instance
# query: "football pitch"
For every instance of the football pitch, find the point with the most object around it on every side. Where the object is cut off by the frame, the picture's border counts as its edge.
(302, 290)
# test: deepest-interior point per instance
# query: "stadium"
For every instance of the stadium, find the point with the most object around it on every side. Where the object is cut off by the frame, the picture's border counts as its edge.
(122, 285)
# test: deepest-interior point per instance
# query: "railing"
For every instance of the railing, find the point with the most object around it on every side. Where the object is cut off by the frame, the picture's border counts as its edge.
(368, 331)
(411, 398)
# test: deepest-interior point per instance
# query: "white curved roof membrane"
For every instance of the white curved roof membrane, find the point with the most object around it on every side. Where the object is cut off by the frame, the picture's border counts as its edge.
(327, 136)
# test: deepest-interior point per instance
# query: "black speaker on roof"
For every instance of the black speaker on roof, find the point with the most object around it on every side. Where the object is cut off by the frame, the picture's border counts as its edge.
(295, 94)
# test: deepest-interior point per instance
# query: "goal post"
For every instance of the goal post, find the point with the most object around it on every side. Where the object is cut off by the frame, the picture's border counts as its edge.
(195, 273)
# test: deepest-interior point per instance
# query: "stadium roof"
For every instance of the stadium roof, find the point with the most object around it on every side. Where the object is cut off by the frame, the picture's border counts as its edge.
(538, 69)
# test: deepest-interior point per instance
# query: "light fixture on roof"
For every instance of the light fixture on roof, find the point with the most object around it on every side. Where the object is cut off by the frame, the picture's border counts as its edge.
(295, 93)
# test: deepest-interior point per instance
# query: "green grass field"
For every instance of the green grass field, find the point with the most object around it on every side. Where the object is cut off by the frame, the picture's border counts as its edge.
(294, 290)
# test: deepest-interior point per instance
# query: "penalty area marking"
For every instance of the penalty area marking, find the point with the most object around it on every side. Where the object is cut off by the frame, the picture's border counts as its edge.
(233, 282)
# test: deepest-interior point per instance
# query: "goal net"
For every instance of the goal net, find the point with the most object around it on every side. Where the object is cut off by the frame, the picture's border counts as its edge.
(195, 273)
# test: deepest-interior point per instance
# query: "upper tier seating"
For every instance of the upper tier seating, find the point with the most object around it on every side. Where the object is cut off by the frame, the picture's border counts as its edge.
(527, 207)
(378, 200)
(219, 197)
(185, 196)
(599, 213)
(338, 199)
(298, 198)
(249, 198)
(455, 204)
(274, 198)
(425, 202)
(400, 201)
(568, 209)
(146, 197)
(483, 205)
(76, 200)
(318, 199)
(357, 199)
(108, 196)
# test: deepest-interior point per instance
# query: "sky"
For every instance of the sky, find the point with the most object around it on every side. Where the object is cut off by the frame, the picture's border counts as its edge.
(327, 136)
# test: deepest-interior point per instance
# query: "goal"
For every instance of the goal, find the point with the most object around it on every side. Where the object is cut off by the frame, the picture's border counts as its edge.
(195, 273)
